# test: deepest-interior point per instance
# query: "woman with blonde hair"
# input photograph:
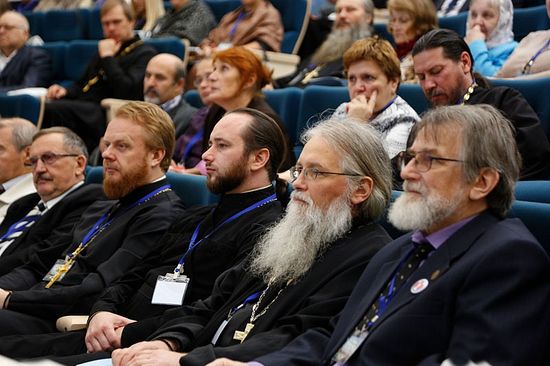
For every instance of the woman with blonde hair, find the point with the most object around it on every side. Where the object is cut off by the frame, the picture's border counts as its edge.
(147, 12)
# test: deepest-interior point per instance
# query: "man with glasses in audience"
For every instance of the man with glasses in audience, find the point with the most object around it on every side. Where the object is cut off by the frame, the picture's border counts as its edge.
(38, 222)
(21, 66)
(444, 66)
(15, 178)
(466, 284)
(110, 237)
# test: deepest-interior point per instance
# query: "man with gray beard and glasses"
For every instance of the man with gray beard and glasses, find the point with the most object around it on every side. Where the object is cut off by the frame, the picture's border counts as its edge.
(466, 284)
(353, 21)
(301, 271)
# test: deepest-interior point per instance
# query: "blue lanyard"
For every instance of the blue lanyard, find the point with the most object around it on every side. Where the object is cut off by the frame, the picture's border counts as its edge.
(15, 227)
(196, 138)
(530, 63)
(250, 299)
(234, 28)
(193, 243)
(386, 106)
(100, 225)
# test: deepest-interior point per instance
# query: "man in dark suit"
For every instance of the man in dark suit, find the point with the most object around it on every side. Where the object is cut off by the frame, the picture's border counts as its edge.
(21, 66)
(477, 287)
(444, 66)
(58, 158)
(116, 71)
(110, 237)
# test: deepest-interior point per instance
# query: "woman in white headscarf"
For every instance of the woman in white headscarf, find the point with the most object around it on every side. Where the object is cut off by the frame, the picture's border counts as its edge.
(489, 34)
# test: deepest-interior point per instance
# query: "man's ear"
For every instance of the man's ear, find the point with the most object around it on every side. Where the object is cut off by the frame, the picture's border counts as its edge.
(259, 159)
(156, 157)
(81, 162)
(363, 191)
(466, 62)
(484, 184)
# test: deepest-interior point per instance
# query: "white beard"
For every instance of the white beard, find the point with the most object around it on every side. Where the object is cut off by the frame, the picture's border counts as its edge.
(338, 41)
(423, 211)
(291, 247)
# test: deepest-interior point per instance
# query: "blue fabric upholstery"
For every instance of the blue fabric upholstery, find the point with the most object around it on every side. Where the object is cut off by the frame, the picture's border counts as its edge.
(536, 216)
(172, 45)
(293, 13)
(94, 31)
(455, 22)
(79, 54)
(192, 97)
(221, 7)
(24, 106)
(319, 102)
(382, 30)
(414, 95)
(286, 102)
(528, 20)
(63, 25)
(57, 51)
(533, 191)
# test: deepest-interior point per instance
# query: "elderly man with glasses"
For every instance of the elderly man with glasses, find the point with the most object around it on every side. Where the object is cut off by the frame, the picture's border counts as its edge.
(21, 66)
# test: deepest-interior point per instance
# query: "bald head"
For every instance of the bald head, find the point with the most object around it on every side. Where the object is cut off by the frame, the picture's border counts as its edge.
(164, 78)
(15, 138)
(14, 32)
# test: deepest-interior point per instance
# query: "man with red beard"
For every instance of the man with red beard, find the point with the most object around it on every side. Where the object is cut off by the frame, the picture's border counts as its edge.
(301, 271)
(466, 284)
(111, 237)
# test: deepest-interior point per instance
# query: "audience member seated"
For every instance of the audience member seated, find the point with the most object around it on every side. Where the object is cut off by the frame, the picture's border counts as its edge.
(227, 234)
(40, 223)
(45, 5)
(444, 65)
(409, 20)
(301, 272)
(451, 7)
(353, 21)
(531, 58)
(489, 34)
(188, 150)
(255, 24)
(115, 72)
(111, 237)
(236, 82)
(147, 13)
(477, 289)
(21, 66)
(15, 178)
(372, 70)
(190, 19)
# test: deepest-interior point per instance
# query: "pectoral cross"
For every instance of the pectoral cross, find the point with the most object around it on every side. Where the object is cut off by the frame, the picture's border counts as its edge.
(241, 336)
(60, 272)
(310, 75)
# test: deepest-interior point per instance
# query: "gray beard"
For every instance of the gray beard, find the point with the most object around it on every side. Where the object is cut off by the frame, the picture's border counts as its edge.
(290, 248)
(338, 41)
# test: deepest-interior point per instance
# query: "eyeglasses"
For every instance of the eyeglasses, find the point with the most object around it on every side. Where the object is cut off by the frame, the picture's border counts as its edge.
(48, 158)
(313, 173)
(199, 79)
(422, 160)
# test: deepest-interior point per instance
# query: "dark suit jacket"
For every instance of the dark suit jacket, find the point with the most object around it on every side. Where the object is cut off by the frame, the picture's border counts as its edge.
(181, 114)
(489, 302)
(30, 67)
(51, 232)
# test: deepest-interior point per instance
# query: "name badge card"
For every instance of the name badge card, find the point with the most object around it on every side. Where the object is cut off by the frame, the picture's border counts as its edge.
(56, 268)
(170, 289)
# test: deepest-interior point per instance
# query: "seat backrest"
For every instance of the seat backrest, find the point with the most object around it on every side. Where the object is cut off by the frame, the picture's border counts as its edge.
(414, 95)
(191, 189)
(382, 30)
(536, 216)
(176, 46)
(537, 93)
(94, 174)
(77, 57)
(527, 20)
(24, 106)
(533, 191)
(286, 102)
(221, 7)
(94, 29)
(192, 97)
(57, 51)
(35, 22)
(455, 22)
(295, 17)
(63, 25)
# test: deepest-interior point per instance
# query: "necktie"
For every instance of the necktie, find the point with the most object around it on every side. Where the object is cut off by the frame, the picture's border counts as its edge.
(406, 268)
(20, 226)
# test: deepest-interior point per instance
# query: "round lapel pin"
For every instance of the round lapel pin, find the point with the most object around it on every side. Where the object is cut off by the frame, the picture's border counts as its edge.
(419, 286)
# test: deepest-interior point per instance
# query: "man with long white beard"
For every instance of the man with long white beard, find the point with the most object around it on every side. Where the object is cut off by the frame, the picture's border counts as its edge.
(353, 21)
(466, 284)
(111, 237)
(302, 270)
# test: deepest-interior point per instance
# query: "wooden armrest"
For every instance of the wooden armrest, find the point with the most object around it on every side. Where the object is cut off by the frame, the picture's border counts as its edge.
(111, 105)
(282, 64)
(71, 322)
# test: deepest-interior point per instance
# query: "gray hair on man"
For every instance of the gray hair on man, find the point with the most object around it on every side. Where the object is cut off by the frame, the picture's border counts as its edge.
(72, 142)
(362, 153)
(22, 131)
(488, 142)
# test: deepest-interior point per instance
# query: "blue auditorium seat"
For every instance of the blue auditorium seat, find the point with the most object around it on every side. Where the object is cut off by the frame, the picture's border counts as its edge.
(536, 216)
(414, 95)
(295, 16)
(79, 54)
(455, 22)
(24, 106)
(382, 30)
(533, 191)
(220, 8)
(173, 45)
(537, 93)
(57, 51)
(35, 22)
(192, 97)
(318, 102)
(63, 25)
(95, 30)
(94, 174)
(527, 20)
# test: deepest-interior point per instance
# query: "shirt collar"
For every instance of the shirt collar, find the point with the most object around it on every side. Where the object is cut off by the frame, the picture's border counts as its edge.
(439, 237)
(14, 181)
(168, 105)
(49, 204)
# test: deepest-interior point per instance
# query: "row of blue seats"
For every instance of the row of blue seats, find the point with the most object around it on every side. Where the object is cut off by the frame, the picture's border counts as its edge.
(70, 59)
(67, 25)
(526, 20)
(532, 205)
